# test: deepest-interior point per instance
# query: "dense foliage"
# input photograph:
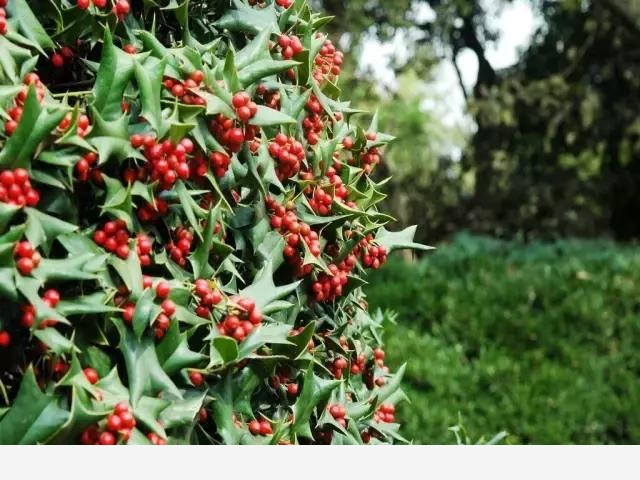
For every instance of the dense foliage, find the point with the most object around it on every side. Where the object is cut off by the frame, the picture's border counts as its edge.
(538, 340)
(186, 219)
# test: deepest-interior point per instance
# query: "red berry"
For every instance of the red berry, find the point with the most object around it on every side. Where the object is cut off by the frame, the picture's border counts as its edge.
(57, 60)
(5, 339)
(265, 428)
(121, 407)
(107, 438)
(91, 375)
(254, 427)
(114, 423)
(25, 265)
(196, 378)
(127, 419)
(163, 289)
(168, 307)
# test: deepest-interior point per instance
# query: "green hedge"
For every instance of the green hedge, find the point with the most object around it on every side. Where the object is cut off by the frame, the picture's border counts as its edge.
(540, 340)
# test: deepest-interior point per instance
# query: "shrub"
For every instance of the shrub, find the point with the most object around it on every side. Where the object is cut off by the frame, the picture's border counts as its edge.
(539, 340)
(186, 217)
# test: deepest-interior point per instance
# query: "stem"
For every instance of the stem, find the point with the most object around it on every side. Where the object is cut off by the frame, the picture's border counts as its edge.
(81, 93)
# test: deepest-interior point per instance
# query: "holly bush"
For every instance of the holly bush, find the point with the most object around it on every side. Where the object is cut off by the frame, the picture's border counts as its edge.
(186, 220)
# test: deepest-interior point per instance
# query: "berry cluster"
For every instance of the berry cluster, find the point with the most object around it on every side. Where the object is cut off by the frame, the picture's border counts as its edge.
(83, 125)
(179, 250)
(163, 321)
(167, 161)
(385, 413)
(260, 427)
(220, 163)
(338, 412)
(183, 90)
(5, 337)
(329, 286)
(289, 154)
(271, 98)
(227, 133)
(15, 112)
(242, 318)
(3, 17)
(313, 123)
(86, 167)
(114, 238)
(296, 233)
(244, 107)
(121, 9)
(337, 366)
(290, 45)
(64, 56)
(84, 4)
(374, 256)
(120, 422)
(144, 247)
(369, 159)
(50, 298)
(27, 258)
(328, 62)
(358, 365)
(208, 297)
(320, 200)
(282, 378)
(150, 212)
(16, 189)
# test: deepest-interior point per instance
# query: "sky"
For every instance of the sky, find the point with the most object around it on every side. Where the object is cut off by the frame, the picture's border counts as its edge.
(515, 22)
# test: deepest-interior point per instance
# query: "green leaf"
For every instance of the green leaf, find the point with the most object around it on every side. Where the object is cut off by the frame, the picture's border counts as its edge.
(249, 20)
(230, 391)
(182, 413)
(7, 212)
(264, 290)
(35, 125)
(255, 50)
(29, 24)
(174, 353)
(266, 116)
(34, 417)
(55, 341)
(399, 240)
(81, 416)
(273, 334)
(129, 271)
(314, 391)
(114, 74)
(146, 376)
(200, 257)
(262, 69)
(230, 73)
(146, 311)
(227, 348)
(82, 267)
(43, 229)
(86, 305)
(188, 206)
(7, 284)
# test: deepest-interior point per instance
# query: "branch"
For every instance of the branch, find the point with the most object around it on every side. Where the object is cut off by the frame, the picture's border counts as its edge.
(624, 15)
(459, 73)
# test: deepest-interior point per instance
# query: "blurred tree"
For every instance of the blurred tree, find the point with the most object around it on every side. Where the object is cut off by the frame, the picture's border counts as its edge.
(557, 145)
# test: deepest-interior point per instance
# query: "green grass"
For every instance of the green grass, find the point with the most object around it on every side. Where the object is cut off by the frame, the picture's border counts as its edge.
(540, 340)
